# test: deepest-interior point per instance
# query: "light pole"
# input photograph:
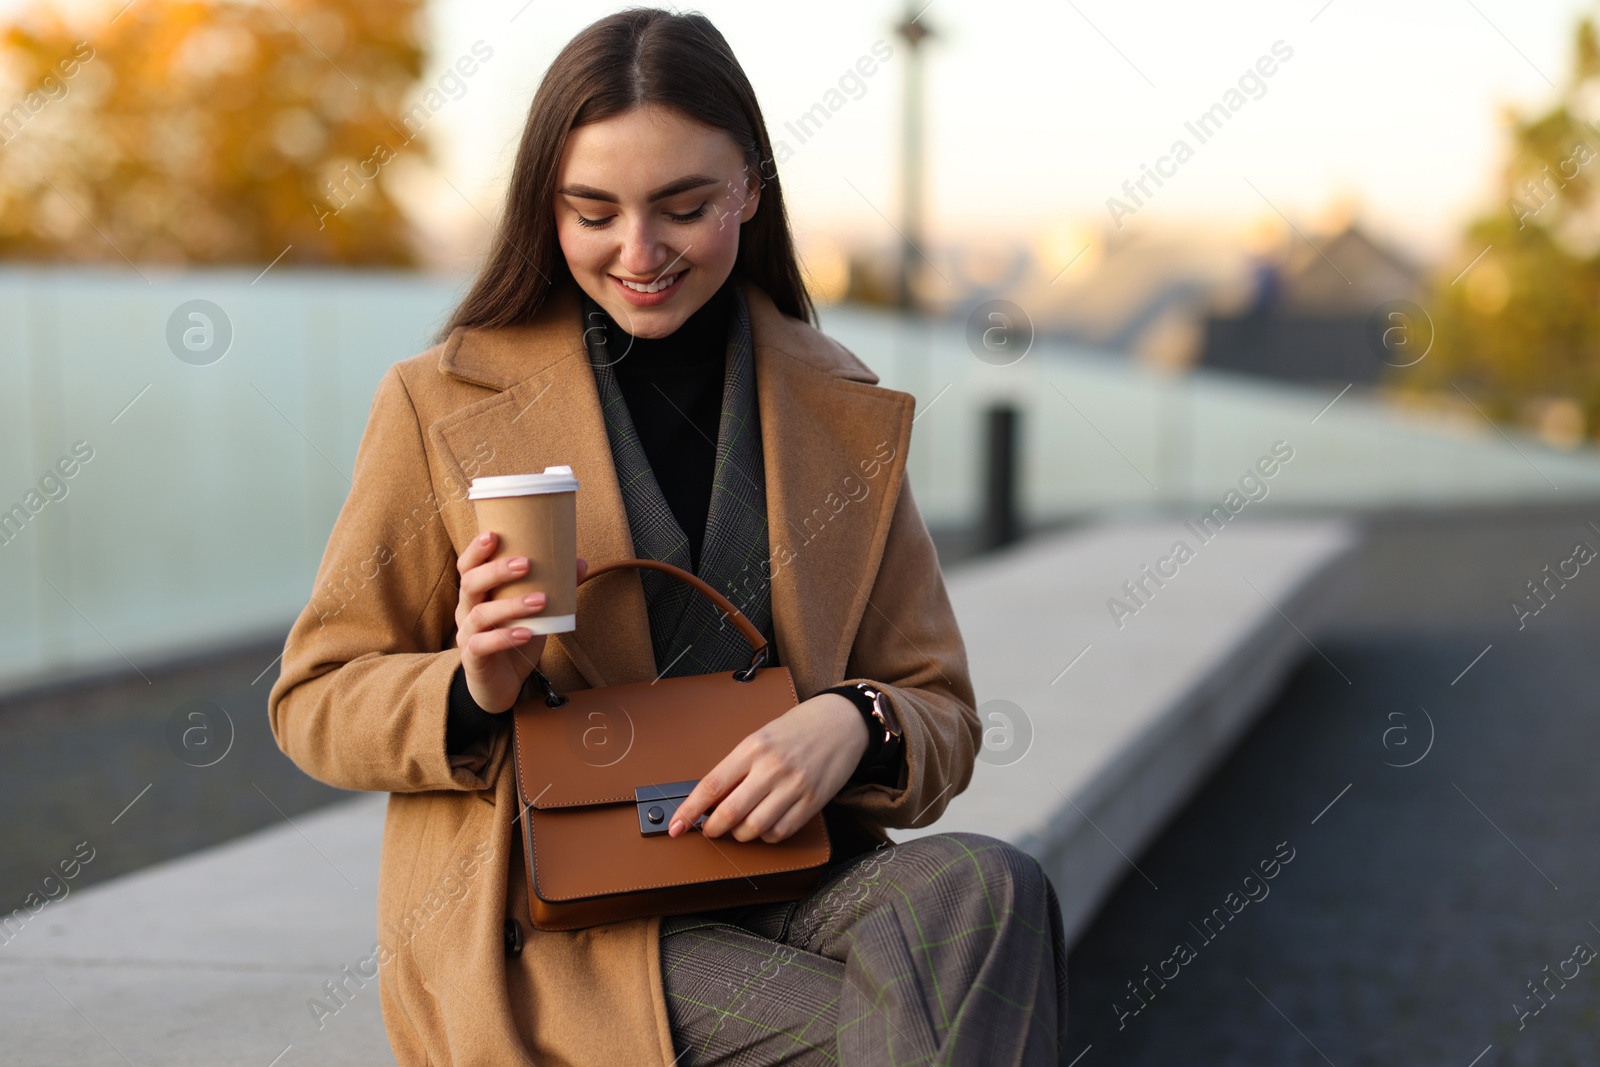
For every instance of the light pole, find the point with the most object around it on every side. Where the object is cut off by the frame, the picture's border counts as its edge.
(913, 31)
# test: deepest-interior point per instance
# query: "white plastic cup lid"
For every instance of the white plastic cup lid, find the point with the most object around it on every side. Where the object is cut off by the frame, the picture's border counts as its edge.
(553, 480)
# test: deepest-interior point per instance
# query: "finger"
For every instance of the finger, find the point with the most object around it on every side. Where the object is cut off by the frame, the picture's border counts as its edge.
(487, 643)
(478, 549)
(476, 583)
(770, 813)
(788, 824)
(732, 810)
(488, 614)
(525, 656)
(583, 568)
(709, 790)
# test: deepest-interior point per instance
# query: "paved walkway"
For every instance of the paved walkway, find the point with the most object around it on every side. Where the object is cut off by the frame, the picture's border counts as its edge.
(210, 959)
(1421, 900)
(121, 760)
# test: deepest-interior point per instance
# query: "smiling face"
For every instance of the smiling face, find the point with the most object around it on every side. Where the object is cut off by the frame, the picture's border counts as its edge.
(648, 207)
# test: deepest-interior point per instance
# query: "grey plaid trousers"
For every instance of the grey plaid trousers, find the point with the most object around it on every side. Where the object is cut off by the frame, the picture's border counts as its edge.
(946, 949)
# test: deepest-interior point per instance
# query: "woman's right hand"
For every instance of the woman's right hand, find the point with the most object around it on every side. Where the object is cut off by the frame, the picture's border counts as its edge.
(496, 661)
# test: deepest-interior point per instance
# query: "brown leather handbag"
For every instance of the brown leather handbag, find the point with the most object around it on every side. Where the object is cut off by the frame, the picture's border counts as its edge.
(600, 773)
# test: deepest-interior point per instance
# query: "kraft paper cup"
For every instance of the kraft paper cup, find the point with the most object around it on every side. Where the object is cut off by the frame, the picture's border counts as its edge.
(536, 515)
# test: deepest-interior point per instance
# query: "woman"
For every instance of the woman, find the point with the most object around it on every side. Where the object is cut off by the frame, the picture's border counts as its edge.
(642, 317)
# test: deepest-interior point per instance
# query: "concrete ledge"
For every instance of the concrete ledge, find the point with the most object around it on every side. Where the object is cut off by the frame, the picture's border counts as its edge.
(212, 959)
(1126, 720)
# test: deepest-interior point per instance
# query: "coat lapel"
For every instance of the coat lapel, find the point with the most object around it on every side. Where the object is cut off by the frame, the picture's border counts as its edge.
(826, 429)
(546, 411)
(834, 453)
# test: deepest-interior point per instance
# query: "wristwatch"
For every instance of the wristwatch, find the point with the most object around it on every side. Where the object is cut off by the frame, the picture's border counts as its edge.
(885, 743)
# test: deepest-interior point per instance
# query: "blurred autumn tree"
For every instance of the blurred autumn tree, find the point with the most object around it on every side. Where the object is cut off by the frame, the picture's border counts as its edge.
(190, 131)
(1520, 333)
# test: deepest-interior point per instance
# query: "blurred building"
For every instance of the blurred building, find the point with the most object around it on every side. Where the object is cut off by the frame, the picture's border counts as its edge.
(1310, 312)
(1140, 292)
(1271, 302)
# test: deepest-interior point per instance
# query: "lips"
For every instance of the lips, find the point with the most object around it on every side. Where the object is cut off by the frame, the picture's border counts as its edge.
(649, 294)
(654, 287)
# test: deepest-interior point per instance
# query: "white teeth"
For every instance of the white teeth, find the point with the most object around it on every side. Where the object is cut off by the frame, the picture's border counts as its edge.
(653, 287)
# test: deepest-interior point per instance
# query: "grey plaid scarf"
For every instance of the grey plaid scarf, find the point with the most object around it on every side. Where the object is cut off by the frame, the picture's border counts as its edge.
(687, 632)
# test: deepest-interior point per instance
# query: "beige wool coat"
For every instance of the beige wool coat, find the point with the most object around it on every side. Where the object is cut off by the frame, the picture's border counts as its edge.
(361, 701)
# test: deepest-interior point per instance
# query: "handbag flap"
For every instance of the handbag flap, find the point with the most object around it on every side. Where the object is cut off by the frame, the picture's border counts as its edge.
(596, 852)
(603, 743)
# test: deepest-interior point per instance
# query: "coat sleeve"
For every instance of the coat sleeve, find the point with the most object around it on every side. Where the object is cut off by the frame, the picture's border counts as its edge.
(908, 644)
(363, 698)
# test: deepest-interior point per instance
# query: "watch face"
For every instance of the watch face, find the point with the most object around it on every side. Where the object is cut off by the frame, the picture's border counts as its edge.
(885, 713)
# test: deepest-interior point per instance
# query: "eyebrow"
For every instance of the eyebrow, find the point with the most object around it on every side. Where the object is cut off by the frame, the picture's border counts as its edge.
(673, 188)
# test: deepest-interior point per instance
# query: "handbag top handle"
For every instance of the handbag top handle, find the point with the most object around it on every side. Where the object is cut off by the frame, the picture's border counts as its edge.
(758, 643)
(735, 616)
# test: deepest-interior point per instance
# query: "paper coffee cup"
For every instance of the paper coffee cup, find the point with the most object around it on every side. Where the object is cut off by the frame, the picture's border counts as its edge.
(536, 516)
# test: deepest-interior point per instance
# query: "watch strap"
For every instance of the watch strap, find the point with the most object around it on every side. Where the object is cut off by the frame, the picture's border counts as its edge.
(880, 763)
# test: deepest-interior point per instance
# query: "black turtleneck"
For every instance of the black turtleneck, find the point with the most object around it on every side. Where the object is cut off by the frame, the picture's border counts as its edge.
(673, 389)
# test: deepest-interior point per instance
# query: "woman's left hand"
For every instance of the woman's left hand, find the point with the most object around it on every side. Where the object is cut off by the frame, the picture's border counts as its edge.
(780, 776)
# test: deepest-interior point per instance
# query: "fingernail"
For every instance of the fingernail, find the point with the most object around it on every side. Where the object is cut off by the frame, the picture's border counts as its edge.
(675, 828)
(533, 600)
(521, 634)
(518, 564)
(483, 538)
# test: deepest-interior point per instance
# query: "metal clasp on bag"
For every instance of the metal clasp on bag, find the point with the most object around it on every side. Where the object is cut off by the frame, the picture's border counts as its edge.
(656, 805)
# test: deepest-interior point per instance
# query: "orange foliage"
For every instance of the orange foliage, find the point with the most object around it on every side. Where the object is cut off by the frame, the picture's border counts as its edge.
(187, 131)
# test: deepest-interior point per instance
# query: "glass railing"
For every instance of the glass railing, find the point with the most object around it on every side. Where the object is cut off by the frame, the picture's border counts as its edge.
(170, 470)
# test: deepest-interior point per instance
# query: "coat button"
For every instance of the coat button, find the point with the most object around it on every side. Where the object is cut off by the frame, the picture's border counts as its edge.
(513, 938)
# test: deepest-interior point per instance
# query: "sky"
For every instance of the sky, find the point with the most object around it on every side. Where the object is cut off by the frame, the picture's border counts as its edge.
(1038, 113)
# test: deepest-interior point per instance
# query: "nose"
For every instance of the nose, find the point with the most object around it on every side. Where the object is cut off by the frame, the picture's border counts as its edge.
(643, 252)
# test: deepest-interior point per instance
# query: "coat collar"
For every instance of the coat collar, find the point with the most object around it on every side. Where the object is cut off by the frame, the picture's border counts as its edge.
(834, 451)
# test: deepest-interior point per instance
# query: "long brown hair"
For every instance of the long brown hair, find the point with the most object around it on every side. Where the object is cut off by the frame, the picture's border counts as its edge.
(635, 57)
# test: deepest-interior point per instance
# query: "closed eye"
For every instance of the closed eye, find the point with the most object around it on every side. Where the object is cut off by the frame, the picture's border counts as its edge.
(584, 220)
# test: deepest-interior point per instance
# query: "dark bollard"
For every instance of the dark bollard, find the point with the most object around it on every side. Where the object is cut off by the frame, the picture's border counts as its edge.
(1000, 524)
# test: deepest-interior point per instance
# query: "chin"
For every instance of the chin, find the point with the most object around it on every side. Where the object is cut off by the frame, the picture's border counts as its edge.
(655, 321)
(651, 322)
(658, 331)
(642, 323)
